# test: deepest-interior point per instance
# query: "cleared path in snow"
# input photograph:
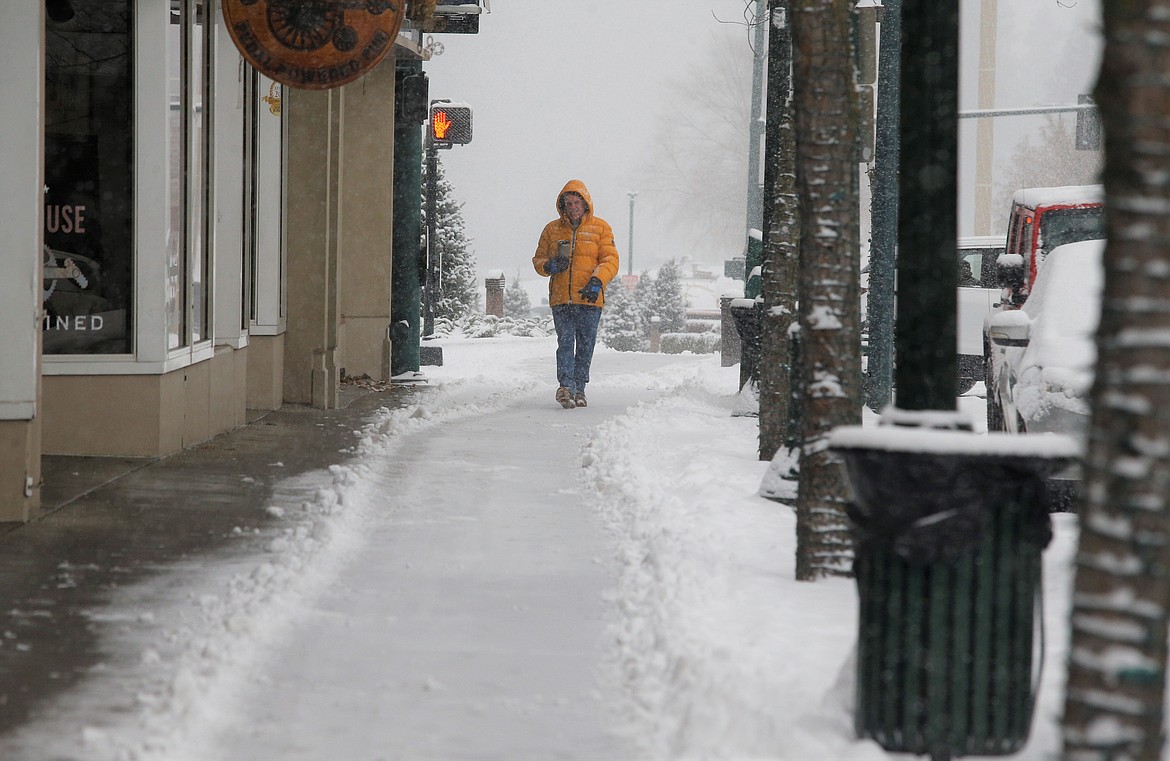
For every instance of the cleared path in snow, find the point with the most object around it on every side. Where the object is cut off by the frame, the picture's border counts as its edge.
(471, 624)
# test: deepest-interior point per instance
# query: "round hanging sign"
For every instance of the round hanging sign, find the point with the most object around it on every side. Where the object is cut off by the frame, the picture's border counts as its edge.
(313, 44)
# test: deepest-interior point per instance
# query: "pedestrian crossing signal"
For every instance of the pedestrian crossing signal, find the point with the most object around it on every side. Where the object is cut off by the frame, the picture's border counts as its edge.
(450, 124)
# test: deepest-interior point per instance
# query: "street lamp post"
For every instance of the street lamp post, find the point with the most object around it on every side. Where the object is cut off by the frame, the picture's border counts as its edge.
(755, 185)
(630, 266)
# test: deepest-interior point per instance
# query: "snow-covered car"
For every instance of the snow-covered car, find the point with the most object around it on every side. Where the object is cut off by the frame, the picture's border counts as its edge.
(1040, 357)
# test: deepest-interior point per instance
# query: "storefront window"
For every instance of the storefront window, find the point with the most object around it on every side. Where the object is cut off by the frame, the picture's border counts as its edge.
(187, 255)
(197, 187)
(251, 151)
(89, 252)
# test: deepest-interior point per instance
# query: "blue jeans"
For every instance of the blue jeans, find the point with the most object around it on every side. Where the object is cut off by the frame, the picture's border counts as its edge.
(576, 326)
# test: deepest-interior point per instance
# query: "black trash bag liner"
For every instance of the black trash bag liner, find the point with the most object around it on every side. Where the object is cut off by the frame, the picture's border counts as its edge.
(749, 325)
(748, 321)
(929, 507)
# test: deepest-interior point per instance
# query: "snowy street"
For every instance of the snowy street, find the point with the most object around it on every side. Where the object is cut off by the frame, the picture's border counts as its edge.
(488, 576)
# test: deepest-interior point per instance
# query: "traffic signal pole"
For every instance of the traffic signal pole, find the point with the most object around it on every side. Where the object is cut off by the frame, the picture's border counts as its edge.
(925, 364)
(410, 113)
(449, 124)
(755, 183)
(431, 283)
(879, 377)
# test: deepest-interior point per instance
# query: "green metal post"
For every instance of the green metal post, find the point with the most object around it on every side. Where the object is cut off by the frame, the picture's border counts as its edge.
(753, 284)
(755, 186)
(884, 229)
(926, 366)
(431, 276)
(405, 323)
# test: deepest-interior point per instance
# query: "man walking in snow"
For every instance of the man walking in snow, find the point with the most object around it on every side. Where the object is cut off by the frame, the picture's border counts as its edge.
(577, 253)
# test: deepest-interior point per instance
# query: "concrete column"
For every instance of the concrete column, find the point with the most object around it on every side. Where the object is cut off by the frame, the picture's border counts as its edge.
(655, 333)
(985, 127)
(495, 295)
(22, 27)
(313, 171)
(366, 222)
(729, 343)
(340, 199)
(339, 224)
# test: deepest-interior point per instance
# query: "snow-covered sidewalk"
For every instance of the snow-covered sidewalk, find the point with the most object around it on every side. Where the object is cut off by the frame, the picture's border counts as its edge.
(489, 576)
(471, 621)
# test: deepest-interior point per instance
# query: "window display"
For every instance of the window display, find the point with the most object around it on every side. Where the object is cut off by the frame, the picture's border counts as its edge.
(188, 273)
(89, 251)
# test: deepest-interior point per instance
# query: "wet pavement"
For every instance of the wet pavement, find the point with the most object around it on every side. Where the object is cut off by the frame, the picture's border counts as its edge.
(111, 522)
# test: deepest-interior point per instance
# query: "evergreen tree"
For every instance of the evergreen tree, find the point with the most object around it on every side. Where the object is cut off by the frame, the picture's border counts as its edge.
(458, 292)
(621, 321)
(516, 301)
(669, 302)
(644, 299)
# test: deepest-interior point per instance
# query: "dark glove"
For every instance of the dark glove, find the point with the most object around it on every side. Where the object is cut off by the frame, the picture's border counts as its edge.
(555, 265)
(591, 290)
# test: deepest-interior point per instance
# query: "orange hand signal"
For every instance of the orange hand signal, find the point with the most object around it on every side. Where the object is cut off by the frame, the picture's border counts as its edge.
(441, 123)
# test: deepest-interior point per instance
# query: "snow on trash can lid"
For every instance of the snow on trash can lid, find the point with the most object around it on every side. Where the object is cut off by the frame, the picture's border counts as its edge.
(926, 440)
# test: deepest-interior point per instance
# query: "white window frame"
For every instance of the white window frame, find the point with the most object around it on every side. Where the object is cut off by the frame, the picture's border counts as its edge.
(21, 221)
(151, 29)
(228, 212)
(269, 312)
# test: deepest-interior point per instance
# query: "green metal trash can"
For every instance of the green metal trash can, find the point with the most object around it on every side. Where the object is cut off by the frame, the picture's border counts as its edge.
(948, 568)
(946, 650)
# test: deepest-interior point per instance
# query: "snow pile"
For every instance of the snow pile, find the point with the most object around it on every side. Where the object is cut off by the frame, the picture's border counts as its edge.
(724, 655)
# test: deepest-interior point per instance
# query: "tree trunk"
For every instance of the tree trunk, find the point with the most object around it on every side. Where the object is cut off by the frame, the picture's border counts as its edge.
(1117, 657)
(781, 240)
(824, 83)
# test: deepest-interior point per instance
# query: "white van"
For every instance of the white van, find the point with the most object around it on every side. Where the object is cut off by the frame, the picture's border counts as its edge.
(979, 293)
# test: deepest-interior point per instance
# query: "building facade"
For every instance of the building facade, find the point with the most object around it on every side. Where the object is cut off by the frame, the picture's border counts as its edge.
(184, 240)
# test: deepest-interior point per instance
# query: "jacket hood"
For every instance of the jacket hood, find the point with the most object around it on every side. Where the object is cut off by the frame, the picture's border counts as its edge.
(578, 187)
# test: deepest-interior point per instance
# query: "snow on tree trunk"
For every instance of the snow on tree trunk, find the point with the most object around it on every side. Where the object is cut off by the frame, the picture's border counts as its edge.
(824, 84)
(1114, 700)
(781, 241)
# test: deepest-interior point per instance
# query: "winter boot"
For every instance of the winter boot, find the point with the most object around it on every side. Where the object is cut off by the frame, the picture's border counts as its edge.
(579, 399)
(565, 397)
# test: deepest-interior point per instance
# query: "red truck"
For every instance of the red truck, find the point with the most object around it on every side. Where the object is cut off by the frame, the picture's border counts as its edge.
(1042, 219)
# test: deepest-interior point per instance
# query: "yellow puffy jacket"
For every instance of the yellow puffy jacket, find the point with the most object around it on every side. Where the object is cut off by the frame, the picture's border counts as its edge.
(592, 251)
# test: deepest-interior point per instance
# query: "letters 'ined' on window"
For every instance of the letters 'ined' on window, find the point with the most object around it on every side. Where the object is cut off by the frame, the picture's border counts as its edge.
(88, 252)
